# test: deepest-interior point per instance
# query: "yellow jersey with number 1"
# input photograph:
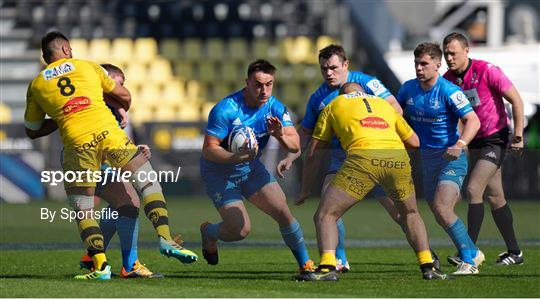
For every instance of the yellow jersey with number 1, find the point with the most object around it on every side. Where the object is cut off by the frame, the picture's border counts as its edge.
(70, 91)
(361, 121)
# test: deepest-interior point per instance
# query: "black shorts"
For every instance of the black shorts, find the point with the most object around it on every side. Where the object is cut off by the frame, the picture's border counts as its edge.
(491, 148)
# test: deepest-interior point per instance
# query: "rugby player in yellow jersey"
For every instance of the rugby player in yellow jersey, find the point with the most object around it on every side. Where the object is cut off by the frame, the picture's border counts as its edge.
(374, 136)
(71, 91)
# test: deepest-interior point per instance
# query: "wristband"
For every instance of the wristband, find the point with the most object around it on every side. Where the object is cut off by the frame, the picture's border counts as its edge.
(462, 142)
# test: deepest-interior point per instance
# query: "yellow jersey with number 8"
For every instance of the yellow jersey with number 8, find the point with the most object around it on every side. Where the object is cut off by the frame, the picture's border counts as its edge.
(70, 91)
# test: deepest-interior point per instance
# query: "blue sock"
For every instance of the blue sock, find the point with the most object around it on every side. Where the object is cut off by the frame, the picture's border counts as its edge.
(128, 232)
(108, 227)
(458, 232)
(340, 249)
(212, 230)
(294, 238)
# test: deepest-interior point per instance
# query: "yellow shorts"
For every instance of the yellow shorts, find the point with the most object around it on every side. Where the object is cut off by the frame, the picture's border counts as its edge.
(88, 151)
(363, 169)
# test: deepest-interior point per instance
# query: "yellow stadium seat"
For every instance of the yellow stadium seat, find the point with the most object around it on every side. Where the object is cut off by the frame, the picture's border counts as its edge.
(5, 113)
(291, 94)
(195, 91)
(145, 49)
(170, 48)
(184, 69)
(122, 50)
(206, 71)
(150, 94)
(220, 90)
(100, 50)
(173, 92)
(136, 73)
(160, 70)
(215, 49)
(324, 41)
(140, 115)
(189, 112)
(164, 113)
(230, 72)
(238, 49)
(206, 107)
(193, 49)
(79, 48)
(260, 47)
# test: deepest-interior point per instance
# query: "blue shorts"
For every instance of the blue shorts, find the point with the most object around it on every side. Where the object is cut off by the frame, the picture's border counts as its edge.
(437, 170)
(224, 189)
(336, 160)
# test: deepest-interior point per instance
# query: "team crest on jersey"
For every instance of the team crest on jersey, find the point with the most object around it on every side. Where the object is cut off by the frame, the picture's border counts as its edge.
(58, 71)
(374, 122)
(76, 104)
(434, 103)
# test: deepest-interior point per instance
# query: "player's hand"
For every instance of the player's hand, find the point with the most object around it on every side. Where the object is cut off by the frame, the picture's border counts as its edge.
(302, 197)
(283, 166)
(453, 152)
(516, 148)
(275, 127)
(145, 150)
(247, 154)
(123, 117)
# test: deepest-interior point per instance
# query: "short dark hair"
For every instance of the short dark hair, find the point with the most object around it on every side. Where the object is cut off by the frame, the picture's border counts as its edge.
(261, 65)
(333, 49)
(456, 36)
(111, 68)
(46, 42)
(430, 48)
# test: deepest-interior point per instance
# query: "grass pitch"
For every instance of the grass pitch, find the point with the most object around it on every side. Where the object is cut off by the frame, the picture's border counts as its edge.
(39, 259)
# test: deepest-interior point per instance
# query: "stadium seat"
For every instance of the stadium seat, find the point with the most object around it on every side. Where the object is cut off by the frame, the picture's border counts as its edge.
(215, 49)
(145, 49)
(140, 114)
(5, 113)
(206, 107)
(230, 71)
(195, 91)
(184, 69)
(220, 90)
(150, 95)
(173, 92)
(260, 47)
(159, 70)
(79, 48)
(165, 113)
(324, 41)
(122, 50)
(170, 48)
(136, 73)
(189, 112)
(238, 49)
(291, 94)
(206, 71)
(100, 50)
(193, 49)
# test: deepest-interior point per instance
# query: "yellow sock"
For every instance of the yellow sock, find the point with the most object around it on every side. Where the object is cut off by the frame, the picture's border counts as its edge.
(155, 209)
(424, 257)
(328, 259)
(99, 259)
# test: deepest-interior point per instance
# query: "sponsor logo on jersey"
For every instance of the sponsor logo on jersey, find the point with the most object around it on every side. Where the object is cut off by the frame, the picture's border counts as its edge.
(321, 106)
(57, 71)
(410, 101)
(286, 116)
(374, 122)
(450, 172)
(237, 122)
(491, 155)
(92, 143)
(459, 99)
(76, 104)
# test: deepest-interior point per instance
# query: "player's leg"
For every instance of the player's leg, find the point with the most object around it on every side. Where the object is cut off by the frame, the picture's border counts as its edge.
(235, 226)
(502, 215)
(342, 263)
(265, 193)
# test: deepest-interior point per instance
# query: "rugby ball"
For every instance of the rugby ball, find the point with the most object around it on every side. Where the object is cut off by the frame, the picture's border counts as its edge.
(238, 137)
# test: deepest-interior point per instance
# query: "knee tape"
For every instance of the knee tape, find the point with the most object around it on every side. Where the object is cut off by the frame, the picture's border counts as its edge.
(81, 202)
(141, 182)
(129, 211)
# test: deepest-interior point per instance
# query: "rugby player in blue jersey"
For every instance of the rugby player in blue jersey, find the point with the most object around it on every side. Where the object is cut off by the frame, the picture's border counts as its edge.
(229, 177)
(335, 71)
(433, 106)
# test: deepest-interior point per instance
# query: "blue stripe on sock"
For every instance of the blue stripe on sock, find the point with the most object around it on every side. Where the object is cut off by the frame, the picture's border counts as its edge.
(108, 227)
(340, 249)
(128, 231)
(458, 233)
(212, 230)
(294, 238)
